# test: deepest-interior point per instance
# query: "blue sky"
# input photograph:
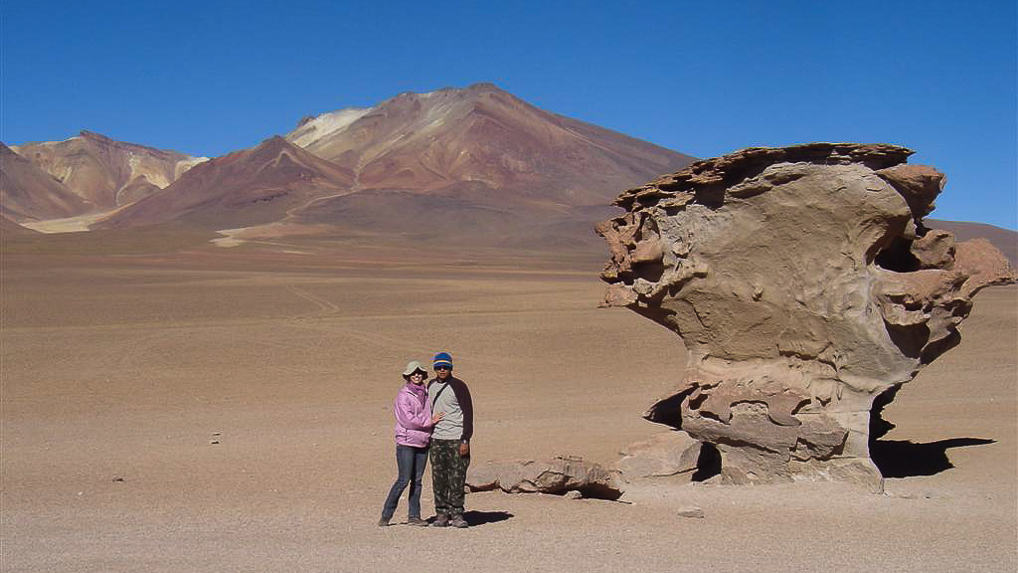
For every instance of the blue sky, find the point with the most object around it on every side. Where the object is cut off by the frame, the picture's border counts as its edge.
(703, 78)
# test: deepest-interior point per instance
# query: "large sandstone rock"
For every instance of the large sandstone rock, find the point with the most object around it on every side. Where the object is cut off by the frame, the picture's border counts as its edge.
(804, 285)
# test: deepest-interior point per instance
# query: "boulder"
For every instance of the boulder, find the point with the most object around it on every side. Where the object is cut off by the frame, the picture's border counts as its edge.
(804, 285)
(556, 476)
(666, 454)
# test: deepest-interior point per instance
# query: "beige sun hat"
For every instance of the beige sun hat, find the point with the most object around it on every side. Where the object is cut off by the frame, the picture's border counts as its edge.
(413, 366)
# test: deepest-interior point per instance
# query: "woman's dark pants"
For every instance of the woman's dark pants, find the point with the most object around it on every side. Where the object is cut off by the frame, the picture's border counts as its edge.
(410, 462)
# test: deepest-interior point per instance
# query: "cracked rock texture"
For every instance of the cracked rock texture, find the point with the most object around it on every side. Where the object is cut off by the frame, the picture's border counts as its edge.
(804, 285)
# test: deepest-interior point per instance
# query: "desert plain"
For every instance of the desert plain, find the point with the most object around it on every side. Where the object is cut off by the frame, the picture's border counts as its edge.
(191, 408)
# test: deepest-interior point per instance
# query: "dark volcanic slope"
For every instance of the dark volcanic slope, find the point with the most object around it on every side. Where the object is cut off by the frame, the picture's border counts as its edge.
(97, 168)
(250, 187)
(424, 142)
(1003, 239)
(28, 193)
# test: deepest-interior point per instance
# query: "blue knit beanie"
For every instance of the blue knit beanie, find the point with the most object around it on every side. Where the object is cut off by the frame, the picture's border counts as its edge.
(443, 359)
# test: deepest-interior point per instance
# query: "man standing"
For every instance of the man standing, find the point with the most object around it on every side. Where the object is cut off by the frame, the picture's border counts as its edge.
(450, 442)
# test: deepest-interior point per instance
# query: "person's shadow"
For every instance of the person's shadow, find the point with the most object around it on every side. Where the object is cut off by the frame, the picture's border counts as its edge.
(475, 518)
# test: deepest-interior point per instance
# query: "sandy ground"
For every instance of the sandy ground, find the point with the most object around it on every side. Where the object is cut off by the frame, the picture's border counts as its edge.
(119, 373)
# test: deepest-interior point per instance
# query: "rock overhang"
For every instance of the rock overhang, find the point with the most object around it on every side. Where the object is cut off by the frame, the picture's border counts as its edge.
(804, 284)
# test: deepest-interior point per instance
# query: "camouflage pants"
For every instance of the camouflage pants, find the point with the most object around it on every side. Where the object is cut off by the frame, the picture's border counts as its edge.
(448, 476)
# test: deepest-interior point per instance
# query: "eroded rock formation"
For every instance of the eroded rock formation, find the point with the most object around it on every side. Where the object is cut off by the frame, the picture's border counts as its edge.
(804, 285)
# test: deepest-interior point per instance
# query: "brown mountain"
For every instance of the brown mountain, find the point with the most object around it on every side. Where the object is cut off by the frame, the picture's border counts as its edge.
(474, 165)
(249, 187)
(28, 193)
(99, 169)
(482, 134)
(1003, 239)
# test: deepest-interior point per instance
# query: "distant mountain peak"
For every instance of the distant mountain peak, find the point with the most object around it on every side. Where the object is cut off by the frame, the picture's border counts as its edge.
(95, 136)
(484, 86)
(427, 141)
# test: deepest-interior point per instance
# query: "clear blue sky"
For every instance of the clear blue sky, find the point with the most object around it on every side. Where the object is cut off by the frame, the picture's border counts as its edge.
(704, 78)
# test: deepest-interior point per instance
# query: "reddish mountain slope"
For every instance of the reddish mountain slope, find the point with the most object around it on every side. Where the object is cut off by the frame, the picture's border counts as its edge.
(28, 193)
(250, 187)
(424, 142)
(97, 168)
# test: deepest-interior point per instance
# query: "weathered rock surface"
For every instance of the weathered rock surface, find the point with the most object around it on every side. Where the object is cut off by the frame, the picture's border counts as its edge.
(804, 285)
(666, 454)
(556, 476)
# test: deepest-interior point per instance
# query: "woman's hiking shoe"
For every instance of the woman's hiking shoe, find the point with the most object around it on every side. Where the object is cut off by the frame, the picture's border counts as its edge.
(417, 521)
(383, 522)
(458, 521)
(442, 520)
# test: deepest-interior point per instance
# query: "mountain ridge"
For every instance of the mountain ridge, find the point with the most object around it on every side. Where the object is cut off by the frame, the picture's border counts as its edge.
(98, 168)
(247, 187)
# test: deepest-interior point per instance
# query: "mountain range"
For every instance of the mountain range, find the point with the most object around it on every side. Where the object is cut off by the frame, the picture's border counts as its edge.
(475, 164)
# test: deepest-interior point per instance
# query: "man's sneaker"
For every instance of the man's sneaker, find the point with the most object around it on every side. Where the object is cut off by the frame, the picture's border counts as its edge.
(417, 521)
(441, 521)
(383, 522)
(458, 521)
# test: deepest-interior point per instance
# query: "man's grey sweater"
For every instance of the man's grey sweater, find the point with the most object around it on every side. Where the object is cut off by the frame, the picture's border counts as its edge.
(453, 398)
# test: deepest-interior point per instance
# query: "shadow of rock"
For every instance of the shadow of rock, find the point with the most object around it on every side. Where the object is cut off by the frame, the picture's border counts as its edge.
(475, 518)
(897, 459)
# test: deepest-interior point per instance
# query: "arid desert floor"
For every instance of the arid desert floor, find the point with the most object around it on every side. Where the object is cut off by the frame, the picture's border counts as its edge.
(119, 372)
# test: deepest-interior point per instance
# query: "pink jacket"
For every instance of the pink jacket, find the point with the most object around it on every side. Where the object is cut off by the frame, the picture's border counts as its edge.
(413, 416)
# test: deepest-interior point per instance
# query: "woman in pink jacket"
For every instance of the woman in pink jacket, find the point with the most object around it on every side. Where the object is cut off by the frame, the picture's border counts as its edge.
(413, 433)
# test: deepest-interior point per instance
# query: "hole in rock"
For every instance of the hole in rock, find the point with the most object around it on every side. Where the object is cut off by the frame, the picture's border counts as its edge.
(650, 271)
(909, 339)
(668, 411)
(897, 257)
(708, 464)
(878, 425)
(648, 228)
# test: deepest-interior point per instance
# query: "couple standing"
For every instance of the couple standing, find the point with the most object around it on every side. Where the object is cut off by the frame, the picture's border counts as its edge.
(437, 417)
